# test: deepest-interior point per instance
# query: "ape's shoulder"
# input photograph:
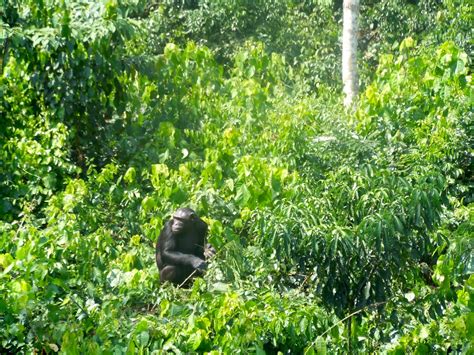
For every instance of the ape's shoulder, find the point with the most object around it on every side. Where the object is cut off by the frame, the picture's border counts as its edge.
(203, 227)
(166, 228)
(165, 235)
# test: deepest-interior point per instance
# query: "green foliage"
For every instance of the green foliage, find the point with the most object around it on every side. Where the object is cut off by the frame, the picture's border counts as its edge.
(92, 288)
(440, 319)
(317, 215)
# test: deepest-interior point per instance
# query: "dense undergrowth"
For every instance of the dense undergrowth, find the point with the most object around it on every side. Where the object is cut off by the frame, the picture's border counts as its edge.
(336, 231)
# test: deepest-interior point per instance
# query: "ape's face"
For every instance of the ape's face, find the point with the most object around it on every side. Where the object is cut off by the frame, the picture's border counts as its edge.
(183, 220)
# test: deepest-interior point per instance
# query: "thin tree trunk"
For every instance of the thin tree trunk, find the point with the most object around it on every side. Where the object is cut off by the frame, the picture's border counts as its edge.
(350, 77)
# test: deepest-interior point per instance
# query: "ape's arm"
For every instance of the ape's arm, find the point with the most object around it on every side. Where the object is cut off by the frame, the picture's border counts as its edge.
(171, 256)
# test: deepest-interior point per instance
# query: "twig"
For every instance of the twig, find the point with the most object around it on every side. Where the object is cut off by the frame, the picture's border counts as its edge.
(71, 297)
(304, 281)
(187, 278)
(192, 274)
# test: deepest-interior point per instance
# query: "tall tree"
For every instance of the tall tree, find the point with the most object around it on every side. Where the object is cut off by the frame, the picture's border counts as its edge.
(350, 77)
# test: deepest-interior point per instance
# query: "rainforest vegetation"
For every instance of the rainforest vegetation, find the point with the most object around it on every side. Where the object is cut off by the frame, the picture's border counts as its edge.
(337, 229)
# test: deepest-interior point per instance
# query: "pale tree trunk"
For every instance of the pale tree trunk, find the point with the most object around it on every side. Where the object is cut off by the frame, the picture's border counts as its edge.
(350, 77)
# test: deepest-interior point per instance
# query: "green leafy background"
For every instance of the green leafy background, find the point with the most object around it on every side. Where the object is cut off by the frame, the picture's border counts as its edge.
(337, 231)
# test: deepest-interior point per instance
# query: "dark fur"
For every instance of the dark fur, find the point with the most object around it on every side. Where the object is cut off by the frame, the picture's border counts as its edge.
(179, 254)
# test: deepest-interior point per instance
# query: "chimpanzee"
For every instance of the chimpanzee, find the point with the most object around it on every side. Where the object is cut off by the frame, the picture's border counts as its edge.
(181, 248)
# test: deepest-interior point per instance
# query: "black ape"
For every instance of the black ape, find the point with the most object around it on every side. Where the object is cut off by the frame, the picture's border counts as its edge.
(180, 246)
